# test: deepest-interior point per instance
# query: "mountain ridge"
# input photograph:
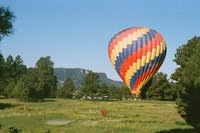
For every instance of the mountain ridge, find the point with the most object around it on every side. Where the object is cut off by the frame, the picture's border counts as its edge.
(78, 75)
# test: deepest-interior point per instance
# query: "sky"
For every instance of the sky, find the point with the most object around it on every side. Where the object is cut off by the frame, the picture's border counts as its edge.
(76, 33)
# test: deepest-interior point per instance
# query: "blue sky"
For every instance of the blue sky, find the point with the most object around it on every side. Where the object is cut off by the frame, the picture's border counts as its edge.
(76, 33)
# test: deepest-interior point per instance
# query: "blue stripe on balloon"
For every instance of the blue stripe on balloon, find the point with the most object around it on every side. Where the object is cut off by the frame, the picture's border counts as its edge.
(132, 48)
(144, 68)
(147, 67)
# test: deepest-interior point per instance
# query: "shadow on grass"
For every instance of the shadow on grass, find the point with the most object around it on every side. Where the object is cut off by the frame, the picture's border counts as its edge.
(48, 100)
(6, 105)
(41, 100)
(178, 131)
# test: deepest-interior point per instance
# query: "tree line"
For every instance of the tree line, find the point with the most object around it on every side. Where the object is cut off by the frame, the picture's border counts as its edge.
(159, 88)
(39, 82)
(27, 84)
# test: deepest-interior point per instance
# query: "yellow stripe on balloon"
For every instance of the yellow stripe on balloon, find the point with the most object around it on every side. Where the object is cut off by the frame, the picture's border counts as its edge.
(163, 44)
(138, 64)
(153, 53)
(112, 62)
(158, 50)
(143, 60)
(150, 56)
(125, 42)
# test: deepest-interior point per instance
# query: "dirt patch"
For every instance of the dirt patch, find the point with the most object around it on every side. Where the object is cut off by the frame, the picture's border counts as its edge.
(58, 122)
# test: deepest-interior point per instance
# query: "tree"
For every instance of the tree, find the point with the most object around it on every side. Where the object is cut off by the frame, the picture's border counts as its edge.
(90, 85)
(67, 90)
(14, 68)
(37, 83)
(103, 92)
(160, 88)
(25, 89)
(115, 93)
(145, 88)
(46, 80)
(2, 74)
(6, 22)
(187, 78)
(8, 92)
(6, 28)
(10, 71)
(175, 87)
(126, 93)
(19, 68)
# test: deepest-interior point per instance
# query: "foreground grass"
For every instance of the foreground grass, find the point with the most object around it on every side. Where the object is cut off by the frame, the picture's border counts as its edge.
(76, 116)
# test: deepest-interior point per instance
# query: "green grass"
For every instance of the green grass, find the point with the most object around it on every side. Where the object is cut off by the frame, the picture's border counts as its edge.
(76, 116)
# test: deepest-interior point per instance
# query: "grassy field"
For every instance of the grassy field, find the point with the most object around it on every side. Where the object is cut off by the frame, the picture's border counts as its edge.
(76, 116)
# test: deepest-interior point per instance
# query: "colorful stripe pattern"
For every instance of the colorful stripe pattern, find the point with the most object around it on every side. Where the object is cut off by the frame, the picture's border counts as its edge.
(136, 54)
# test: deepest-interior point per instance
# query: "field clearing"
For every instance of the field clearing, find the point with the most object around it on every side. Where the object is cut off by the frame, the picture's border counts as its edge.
(77, 116)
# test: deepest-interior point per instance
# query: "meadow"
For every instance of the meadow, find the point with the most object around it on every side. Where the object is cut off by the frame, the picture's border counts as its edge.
(79, 116)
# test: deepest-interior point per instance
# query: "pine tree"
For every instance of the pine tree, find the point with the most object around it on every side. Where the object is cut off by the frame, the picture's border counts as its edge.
(115, 93)
(2, 74)
(160, 88)
(103, 92)
(126, 93)
(46, 80)
(25, 89)
(67, 90)
(187, 77)
(6, 22)
(12, 72)
(90, 85)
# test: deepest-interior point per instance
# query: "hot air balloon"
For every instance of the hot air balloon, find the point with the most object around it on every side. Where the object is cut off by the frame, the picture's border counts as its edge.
(136, 54)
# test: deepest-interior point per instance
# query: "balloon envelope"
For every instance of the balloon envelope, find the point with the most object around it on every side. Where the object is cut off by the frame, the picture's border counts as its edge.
(136, 54)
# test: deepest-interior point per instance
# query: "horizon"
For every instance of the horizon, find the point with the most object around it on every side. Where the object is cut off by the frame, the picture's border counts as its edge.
(75, 34)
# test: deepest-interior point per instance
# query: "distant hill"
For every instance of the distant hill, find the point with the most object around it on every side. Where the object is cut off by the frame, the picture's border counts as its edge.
(78, 76)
